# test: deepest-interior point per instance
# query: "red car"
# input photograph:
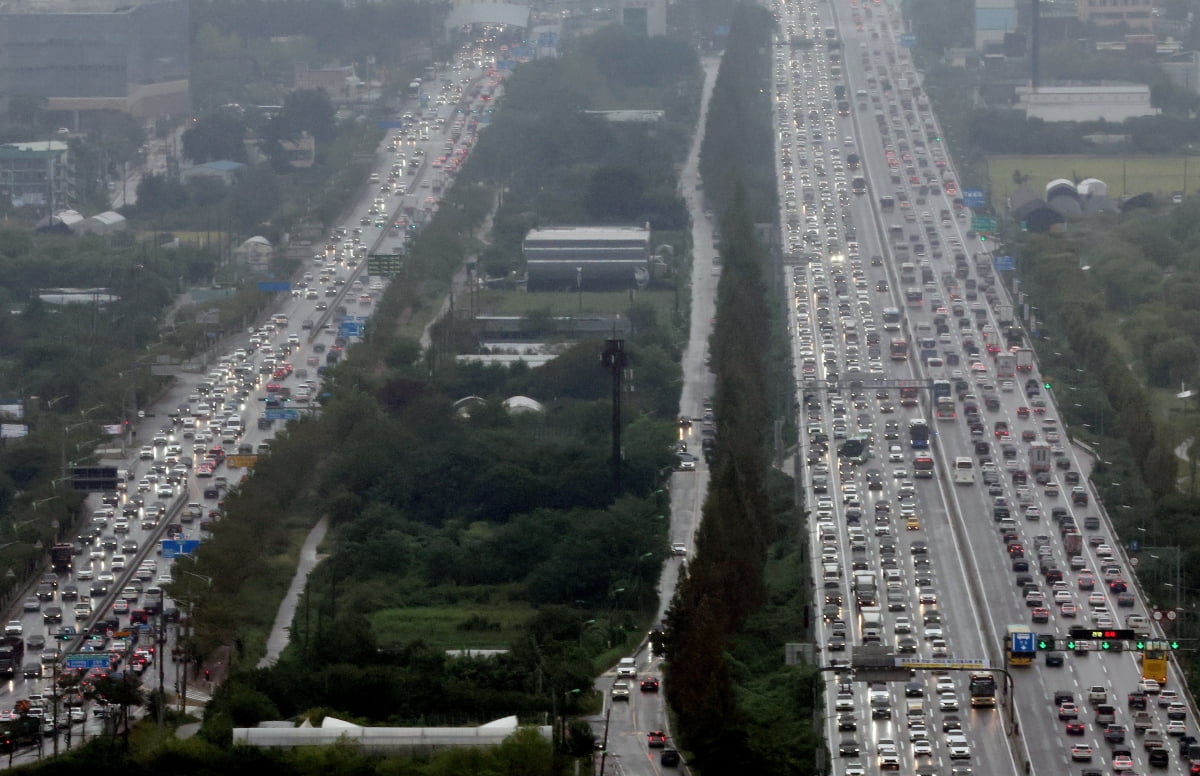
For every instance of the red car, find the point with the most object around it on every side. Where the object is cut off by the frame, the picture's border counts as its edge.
(656, 739)
(649, 684)
(1075, 728)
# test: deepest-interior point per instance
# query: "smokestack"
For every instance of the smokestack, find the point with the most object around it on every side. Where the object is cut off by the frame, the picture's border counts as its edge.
(1035, 22)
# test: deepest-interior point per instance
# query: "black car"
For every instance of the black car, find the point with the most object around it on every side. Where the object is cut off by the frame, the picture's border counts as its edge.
(849, 748)
(669, 757)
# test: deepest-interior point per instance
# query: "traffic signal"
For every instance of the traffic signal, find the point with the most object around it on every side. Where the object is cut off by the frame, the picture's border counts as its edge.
(1140, 645)
(1174, 645)
(1045, 641)
(1047, 385)
(1071, 644)
(1103, 645)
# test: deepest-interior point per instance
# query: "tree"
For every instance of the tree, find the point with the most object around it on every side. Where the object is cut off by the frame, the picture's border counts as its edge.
(216, 136)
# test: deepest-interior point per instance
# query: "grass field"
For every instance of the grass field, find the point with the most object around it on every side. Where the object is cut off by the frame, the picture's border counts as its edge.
(443, 627)
(1125, 176)
(492, 302)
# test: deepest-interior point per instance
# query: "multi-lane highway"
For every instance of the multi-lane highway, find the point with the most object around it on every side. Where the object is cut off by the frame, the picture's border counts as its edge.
(178, 468)
(886, 289)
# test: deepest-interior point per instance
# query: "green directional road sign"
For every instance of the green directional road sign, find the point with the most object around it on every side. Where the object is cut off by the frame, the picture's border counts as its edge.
(385, 264)
(983, 224)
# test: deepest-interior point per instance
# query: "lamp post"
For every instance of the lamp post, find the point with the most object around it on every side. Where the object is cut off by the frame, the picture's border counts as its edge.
(579, 286)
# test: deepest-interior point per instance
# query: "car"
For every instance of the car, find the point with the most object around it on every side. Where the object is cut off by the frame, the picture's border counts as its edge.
(1068, 711)
(13, 628)
(1176, 727)
(649, 684)
(620, 690)
(1075, 728)
(687, 462)
(947, 701)
(32, 604)
(958, 745)
(1081, 753)
(922, 748)
(1167, 697)
(669, 757)
(656, 739)
(1122, 762)
(849, 748)
(855, 768)
(1149, 686)
(847, 722)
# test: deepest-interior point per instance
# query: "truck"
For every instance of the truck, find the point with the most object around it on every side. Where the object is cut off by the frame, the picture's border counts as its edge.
(866, 589)
(62, 556)
(1024, 359)
(19, 731)
(1073, 542)
(872, 623)
(1142, 721)
(12, 651)
(1004, 315)
(1006, 366)
(1039, 457)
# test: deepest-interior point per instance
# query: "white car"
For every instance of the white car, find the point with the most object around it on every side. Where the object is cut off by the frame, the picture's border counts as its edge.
(903, 625)
(13, 628)
(922, 748)
(948, 701)
(960, 748)
(164, 490)
(895, 454)
(855, 768)
(147, 453)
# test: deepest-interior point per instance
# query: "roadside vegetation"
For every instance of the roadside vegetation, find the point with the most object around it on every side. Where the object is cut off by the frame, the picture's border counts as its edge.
(738, 706)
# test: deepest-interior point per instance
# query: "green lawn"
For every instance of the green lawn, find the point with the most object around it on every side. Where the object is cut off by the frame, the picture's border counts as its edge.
(1125, 176)
(493, 302)
(500, 623)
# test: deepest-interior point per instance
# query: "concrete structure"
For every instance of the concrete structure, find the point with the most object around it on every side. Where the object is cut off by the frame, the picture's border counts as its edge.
(391, 740)
(37, 174)
(222, 170)
(587, 258)
(1137, 14)
(124, 55)
(993, 20)
(341, 83)
(643, 17)
(1093, 102)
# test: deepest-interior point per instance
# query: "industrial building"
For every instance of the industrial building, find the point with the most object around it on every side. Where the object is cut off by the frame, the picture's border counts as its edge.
(83, 55)
(1134, 14)
(1086, 102)
(994, 20)
(643, 17)
(37, 174)
(587, 258)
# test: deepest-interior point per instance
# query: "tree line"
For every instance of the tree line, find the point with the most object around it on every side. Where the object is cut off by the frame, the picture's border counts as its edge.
(737, 706)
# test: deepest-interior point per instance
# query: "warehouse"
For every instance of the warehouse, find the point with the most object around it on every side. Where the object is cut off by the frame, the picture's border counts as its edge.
(587, 258)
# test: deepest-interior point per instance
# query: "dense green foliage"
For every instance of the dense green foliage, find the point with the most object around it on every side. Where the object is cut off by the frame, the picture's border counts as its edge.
(738, 152)
(556, 164)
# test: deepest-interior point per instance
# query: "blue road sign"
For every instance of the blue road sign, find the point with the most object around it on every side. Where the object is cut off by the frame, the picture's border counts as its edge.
(521, 53)
(272, 287)
(1004, 263)
(1022, 642)
(173, 548)
(908, 40)
(973, 197)
(350, 329)
(88, 660)
(282, 414)
(394, 124)
(1134, 545)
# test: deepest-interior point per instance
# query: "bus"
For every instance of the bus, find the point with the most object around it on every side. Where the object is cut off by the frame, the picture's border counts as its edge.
(908, 272)
(908, 396)
(856, 449)
(1024, 656)
(891, 319)
(983, 691)
(964, 471)
(887, 203)
(899, 349)
(942, 389)
(914, 297)
(944, 409)
(918, 434)
(1154, 660)
(923, 466)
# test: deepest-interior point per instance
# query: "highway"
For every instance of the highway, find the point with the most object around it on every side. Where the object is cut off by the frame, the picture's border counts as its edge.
(237, 384)
(840, 298)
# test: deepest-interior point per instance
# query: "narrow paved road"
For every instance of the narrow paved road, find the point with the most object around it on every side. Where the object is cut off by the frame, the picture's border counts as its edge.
(281, 631)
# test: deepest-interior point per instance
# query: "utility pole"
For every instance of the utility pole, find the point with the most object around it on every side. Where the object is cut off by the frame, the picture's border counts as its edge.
(615, 359)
